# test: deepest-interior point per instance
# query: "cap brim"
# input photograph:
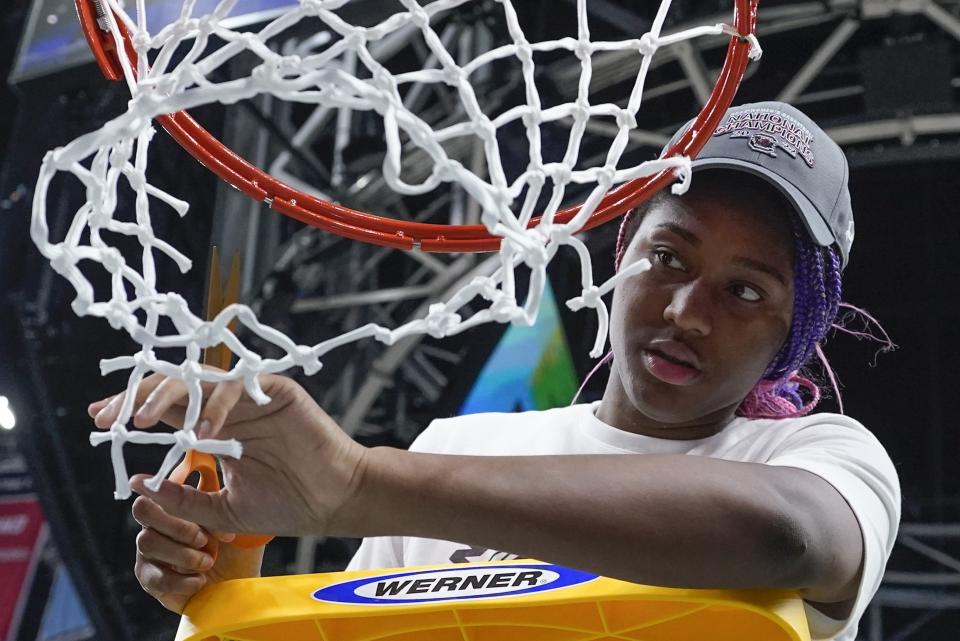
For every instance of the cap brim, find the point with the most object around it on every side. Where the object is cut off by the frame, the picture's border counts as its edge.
(808, 213)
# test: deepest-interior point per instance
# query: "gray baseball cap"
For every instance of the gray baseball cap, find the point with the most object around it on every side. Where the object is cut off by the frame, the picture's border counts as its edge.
(780, 144)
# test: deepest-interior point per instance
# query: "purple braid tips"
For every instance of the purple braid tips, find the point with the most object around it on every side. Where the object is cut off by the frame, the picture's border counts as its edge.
(866, 322)
(817, 291)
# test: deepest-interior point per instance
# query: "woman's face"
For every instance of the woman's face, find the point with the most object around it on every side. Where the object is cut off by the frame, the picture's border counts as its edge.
(693, 335)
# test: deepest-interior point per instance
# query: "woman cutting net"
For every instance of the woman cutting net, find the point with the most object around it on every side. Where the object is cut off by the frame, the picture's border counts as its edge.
(702, 466)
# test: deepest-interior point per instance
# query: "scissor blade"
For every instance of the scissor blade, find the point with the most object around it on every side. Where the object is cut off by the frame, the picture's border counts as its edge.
(231, 295)
(214, 299)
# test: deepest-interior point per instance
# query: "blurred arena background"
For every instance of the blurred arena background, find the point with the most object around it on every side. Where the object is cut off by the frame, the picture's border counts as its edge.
(882, 76)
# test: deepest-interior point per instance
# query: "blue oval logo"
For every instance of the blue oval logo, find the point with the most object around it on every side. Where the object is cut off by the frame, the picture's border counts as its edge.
(453, 584)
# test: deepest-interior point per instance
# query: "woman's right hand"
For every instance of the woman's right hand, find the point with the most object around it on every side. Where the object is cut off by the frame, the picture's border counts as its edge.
(300, 473)
(171, 563)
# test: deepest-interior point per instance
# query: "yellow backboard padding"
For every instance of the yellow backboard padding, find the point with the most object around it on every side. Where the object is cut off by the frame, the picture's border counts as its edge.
(590, 609)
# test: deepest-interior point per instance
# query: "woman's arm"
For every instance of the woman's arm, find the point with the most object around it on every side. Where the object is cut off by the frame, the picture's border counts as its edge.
(684, 521)
(673, 520)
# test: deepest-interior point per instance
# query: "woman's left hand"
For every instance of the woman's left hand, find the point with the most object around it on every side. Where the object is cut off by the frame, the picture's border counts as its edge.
(299, 473)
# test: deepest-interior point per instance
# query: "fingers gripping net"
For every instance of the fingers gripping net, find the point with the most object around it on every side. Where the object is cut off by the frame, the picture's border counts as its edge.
(115, 157)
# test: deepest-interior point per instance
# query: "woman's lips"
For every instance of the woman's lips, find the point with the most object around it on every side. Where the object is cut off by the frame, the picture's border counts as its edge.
(667, 369)
(676, 351)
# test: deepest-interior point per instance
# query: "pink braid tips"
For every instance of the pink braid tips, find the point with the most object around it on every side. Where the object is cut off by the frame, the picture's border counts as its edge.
(777, 399)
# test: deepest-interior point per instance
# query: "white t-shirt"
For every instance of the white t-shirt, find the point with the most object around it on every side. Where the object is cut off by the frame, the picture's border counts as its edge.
(835, 447)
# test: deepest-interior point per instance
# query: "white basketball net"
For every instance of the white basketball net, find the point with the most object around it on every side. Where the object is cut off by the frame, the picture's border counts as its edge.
(116, 156)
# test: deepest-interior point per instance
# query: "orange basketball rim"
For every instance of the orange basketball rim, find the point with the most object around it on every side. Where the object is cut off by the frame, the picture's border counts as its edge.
(401, 234)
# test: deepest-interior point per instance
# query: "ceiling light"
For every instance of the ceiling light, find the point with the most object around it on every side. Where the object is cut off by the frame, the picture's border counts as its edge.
(7, 419)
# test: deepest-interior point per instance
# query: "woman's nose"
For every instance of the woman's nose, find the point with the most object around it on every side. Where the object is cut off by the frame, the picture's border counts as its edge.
(689, 308)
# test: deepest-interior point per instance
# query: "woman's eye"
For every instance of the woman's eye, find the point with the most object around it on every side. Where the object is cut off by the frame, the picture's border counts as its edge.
(668, 259)
(745, 292)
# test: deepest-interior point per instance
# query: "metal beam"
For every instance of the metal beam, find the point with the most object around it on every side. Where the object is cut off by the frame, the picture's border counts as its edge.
(346, 301)
(638, 136)
(917, 599)
(917, 579)
(906, 632)
(932, 530)
(904, 129)
(692, 64)
(305, 561)
(615, 15)
(612, 67)
(942, 18)
(827, 50)
(381, 372)
(930, 552)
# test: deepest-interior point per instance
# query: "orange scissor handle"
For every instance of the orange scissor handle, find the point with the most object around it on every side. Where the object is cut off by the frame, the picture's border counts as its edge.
(206, 466)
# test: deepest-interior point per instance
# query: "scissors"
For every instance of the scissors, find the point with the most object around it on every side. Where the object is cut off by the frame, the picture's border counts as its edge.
(219, 296)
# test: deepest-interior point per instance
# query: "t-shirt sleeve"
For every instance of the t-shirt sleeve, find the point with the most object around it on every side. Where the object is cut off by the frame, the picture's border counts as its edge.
(854, 462)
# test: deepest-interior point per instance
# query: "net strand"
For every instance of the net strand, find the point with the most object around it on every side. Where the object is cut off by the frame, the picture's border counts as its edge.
(115, 157)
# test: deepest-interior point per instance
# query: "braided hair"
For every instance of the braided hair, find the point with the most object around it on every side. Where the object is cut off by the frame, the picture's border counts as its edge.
(817, 291)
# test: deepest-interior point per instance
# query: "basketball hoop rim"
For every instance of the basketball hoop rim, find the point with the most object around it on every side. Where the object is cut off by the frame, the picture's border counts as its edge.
(390, 232)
